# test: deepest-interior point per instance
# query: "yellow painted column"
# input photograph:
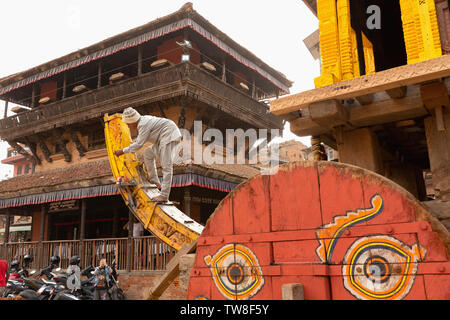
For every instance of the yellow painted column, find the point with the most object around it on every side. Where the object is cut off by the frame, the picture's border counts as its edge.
(347, 42)
(355, 55)
(421, 30)
(369, 57)
(329, 43)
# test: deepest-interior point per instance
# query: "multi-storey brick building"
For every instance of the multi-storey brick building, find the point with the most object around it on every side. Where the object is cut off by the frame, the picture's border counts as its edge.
(216, 81)
(21, 165)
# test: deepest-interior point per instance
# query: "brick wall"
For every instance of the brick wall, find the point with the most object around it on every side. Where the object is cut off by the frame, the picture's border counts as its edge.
(137, 284)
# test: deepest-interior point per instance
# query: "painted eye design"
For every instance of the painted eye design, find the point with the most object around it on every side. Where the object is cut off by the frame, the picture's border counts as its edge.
(236, 272)
(380, 267)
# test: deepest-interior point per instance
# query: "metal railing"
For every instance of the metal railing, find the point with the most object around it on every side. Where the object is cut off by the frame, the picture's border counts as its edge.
(131, 254)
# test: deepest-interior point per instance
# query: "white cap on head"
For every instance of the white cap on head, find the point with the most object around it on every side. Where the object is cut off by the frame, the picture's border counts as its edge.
(130, 115)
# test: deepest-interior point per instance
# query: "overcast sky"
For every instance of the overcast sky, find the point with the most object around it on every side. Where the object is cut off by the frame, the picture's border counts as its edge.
(35, 32)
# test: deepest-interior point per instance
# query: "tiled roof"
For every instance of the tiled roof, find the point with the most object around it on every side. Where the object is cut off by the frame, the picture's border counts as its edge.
(74, 173)
(99, 172)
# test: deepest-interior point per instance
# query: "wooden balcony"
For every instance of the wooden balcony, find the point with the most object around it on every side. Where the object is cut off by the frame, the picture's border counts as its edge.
(184, 79)
(131, 254)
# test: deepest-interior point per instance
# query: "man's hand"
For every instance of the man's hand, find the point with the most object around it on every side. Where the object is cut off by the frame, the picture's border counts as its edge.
(118, 153)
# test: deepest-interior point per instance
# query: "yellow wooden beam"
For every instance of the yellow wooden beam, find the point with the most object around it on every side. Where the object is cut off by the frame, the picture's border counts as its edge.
(329, 43)
(421, 30)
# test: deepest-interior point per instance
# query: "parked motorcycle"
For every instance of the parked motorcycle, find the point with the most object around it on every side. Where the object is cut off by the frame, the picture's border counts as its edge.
(22, 283)
(86, 287)
(19, 280)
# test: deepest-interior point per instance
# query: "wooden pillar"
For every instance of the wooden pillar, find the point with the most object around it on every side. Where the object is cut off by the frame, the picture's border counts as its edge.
(139, 71)
(435, 97)
(409, 177)
(187, 202)
(83, 220)
(115, 222)
(438, 142)
(130, 224)
(7, 225)
(318, 149)
(329, 43)
(64, 85)
(130, 239)
(6, 109)
(224, 70)
(33, 94)
(83, 231)
(361, 148)
(44, 211)
(253, 89)
(99, 75)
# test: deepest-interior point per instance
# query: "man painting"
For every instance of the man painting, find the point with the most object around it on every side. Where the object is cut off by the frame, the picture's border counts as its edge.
(165, 137)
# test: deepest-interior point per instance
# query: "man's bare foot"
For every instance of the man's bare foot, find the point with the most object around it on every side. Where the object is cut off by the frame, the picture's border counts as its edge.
(160, 199)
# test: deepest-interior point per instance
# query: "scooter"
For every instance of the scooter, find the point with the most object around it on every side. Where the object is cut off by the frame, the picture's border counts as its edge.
(19, 280)
(86, 286)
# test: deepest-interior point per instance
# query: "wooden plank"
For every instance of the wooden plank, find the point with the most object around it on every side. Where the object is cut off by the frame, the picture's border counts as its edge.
(372, 83)
(292, 201)
(368, 115)
(397, 93)
(361, 148)
(387, 111)
(438, 143)
(173, 270)
(305, 126)
(259, 220)
(365, 99)
(328, 114)
(435, 95)
(335, 181)
(139, 60)
(440, 123)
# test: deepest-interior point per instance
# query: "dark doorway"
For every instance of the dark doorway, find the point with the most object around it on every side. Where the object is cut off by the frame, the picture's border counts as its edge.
(388, 41)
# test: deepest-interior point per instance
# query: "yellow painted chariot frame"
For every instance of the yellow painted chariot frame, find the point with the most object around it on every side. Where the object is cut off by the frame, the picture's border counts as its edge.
(165, 221)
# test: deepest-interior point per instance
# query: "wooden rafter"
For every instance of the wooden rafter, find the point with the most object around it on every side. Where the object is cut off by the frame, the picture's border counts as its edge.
(62, 145)
(81, 149)
(43, 146)
(33, 147)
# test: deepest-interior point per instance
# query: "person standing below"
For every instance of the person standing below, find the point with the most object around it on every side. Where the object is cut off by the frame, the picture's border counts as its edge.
(138, 229)
(165, 137)
(4, 275)
(102, 272)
